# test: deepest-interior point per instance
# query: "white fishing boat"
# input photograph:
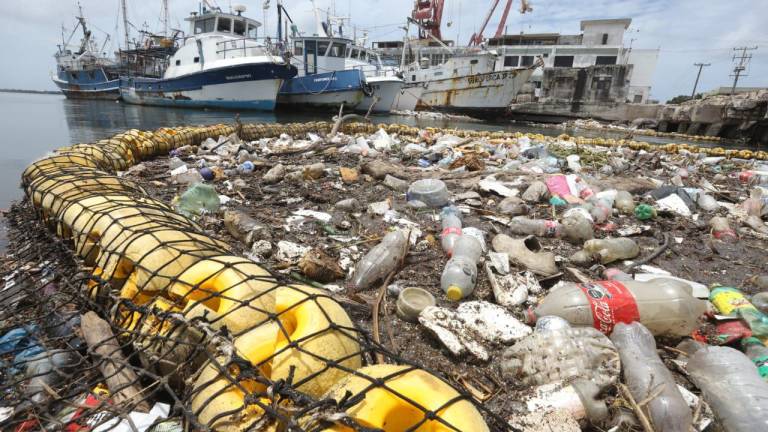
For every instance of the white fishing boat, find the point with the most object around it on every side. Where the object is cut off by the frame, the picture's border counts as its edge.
(383, 80)
(222, 64)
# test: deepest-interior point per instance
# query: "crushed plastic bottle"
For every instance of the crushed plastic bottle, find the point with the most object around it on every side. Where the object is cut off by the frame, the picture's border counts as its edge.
(731, 301)
(646, 374)
(538, 227)
(756, 350)
(381, 260)
(577, 229)
(611, 249)
(721, 229)
(562, 354)
(732, 387)
(450, 219)
(664, 306)
(460, 273)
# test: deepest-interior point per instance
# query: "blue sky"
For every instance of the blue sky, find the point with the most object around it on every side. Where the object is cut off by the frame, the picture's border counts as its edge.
(686, 31)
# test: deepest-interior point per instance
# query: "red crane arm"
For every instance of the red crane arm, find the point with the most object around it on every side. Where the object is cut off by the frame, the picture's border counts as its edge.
(500, 28)
(478, 37)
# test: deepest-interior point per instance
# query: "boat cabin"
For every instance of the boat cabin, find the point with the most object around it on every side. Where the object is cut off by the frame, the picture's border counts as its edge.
(318, 54)
(214, 21)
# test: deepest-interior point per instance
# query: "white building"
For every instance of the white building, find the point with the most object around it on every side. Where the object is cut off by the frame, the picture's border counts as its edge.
(600, 43)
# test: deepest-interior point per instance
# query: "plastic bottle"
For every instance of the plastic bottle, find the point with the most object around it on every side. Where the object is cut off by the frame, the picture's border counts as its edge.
(577, 229)
(730, 301)
(758, 353)
(732, 388)
(450, 219)
(538, 227)
(664, 306)
(612, 249)
(624, 202)
(379, 261)
(646, 374)
(721, 229)
(460, 273)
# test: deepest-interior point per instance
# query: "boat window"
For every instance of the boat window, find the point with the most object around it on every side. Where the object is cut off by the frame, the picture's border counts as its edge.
(473, 61)
(347, 52)
(74, 74)
(354, 53)
(239, 28)
(178, 62)
(204, 26)
(298, 48)
(322, 47)
(311, 47)
(252, 31)
(224, 25)
(196, 59)
(337, 50)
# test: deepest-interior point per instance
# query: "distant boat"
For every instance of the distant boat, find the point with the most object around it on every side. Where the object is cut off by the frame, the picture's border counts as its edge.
(84, 73)
(383, 80)
(221, 64)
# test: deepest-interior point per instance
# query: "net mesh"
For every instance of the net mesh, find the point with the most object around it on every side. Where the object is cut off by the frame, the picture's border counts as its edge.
(118, 313)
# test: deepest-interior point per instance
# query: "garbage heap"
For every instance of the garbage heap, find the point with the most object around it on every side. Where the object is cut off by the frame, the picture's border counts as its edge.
(362, 277)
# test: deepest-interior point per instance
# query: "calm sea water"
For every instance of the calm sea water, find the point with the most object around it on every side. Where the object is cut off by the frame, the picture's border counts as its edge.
(34, 124)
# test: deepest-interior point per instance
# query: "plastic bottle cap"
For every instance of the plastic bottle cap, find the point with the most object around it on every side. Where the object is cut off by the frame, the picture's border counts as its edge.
(454, 293)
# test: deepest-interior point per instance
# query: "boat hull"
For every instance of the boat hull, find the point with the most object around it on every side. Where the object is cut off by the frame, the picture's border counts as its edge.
(385, 91)
(408, 97)
(248, 87)
(487, 94)
(324, 90)
(104, 90)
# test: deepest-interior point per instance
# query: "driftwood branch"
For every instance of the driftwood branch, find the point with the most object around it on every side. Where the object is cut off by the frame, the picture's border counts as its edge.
(121, 379)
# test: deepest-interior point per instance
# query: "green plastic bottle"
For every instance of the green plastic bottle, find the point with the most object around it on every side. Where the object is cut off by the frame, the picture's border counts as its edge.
(758, 353)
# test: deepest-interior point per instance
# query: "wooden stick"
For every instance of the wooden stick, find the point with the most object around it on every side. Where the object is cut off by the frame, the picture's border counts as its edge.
(120, 378)
(638, 411)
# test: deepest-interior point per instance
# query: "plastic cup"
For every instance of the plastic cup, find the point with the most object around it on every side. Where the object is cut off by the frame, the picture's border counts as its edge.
(411, 302)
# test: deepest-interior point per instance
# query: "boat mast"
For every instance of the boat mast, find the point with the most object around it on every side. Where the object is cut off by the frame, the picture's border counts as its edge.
(165, 17)
(84, 44)
(125, 21)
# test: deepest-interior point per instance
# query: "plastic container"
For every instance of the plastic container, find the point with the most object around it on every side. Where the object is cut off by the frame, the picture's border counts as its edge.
(379, 261)
(460, 273)
(432, 192)
(624, 202)
(721, 229)
(731, 301)
(758, 353)
(577, 229)
(664, 306)
(564, 354)
(538, 227)
(450, 219)
(645, 374)
(732, 387)
(611, 249)
(411, 301)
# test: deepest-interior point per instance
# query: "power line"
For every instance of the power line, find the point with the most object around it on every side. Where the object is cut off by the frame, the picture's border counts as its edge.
(698, 75)
(738, 70)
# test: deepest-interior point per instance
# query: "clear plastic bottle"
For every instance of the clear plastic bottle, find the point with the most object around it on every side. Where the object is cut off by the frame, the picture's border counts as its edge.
(758, 353)
(721, 229)
(645, 374)
(624, 202)
(450, 219)
(730, 301)
(460, 273)
(379, 261)
(612, 249)
(577, 229)
(664, 306)
(732, 388)
(538, 227)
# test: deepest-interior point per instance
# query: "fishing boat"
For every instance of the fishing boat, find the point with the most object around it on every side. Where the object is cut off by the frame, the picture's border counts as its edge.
(222, 63)
(385, 83)
(467, 83)
(84, 73)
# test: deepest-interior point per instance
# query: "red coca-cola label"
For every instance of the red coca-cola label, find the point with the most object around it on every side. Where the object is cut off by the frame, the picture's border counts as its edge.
(611, 303)
(451, 230)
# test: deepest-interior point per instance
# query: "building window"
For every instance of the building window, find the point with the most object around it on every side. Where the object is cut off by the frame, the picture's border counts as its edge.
(178, 62)
(605, 38)
(526, 61)
(196, 59)
(511, 61)
(605, 60)
(563, 61)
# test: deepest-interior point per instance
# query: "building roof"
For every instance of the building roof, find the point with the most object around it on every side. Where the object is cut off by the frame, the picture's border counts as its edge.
(625, 21)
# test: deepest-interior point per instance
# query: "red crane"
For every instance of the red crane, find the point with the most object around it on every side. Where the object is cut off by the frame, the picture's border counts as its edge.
(477, 38)
(428, 14)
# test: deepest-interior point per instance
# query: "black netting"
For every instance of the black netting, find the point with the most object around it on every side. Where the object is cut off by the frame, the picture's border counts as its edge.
(121, 305)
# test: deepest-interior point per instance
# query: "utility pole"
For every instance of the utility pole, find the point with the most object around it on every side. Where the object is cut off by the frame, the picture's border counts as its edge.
(744, 59)
(698, 75)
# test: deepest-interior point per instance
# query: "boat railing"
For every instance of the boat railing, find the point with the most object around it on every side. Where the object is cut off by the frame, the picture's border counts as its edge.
(247, 47)
(375, 71)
